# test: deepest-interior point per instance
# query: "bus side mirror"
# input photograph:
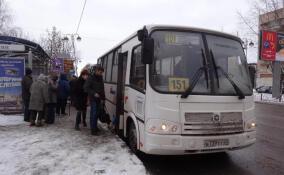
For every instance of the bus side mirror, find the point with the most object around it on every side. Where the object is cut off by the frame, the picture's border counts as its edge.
(252, 72)
(140, 35)
(147, 51)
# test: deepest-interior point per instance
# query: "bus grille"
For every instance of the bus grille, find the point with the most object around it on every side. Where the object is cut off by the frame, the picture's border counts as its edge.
(213, 123)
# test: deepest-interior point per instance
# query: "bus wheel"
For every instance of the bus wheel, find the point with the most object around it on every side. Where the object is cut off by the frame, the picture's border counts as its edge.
(132, 138)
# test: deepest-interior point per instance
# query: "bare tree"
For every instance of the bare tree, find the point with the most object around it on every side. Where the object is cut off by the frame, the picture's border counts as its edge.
(6, 27)
(54, 44)
(5, 17)
(250, 21)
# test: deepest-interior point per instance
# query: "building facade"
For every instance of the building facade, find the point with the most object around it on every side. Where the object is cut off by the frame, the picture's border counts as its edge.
(273, 21)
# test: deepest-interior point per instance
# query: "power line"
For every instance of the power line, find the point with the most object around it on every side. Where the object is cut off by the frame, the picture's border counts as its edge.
(81, 17)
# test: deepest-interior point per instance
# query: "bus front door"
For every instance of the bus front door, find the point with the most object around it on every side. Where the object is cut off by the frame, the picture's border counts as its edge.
(122, 62)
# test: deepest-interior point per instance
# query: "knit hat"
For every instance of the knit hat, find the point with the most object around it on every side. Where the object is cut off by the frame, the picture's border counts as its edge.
(41, 77)
(28, 71)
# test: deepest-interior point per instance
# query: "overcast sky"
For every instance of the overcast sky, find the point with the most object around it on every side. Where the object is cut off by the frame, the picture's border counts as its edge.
(107, 22)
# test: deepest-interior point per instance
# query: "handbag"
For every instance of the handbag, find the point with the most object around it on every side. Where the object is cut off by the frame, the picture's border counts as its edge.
(103, 116)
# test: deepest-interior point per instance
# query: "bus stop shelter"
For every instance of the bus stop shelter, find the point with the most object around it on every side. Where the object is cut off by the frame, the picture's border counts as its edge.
(16, 54)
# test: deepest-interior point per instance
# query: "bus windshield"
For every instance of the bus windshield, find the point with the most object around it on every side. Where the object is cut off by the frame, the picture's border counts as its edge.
(178, 56)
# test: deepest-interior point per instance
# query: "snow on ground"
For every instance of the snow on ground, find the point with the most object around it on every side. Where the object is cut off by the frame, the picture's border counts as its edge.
(6, 120)
(59, 149)
(266, 97)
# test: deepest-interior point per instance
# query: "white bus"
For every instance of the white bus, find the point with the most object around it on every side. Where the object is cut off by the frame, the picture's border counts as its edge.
(180, 90)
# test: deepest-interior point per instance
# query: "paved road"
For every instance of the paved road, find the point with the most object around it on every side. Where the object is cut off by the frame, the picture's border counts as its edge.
(266, 156)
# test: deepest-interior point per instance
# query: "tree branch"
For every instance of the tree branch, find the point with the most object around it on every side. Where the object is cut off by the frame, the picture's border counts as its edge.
(246, 22)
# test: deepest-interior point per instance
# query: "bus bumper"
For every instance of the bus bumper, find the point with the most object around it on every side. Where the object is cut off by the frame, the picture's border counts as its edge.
(180, 145)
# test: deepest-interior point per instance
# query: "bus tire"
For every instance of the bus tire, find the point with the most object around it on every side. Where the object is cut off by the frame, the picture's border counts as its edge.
(132, 137)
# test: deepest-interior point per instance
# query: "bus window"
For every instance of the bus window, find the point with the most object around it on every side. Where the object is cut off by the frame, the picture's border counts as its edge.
(99, 62)
(137, 75)
(109, 66)
(105, 67)
(115, 66)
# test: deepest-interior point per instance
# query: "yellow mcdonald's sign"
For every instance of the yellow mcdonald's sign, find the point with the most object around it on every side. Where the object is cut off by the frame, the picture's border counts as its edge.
(270, 37)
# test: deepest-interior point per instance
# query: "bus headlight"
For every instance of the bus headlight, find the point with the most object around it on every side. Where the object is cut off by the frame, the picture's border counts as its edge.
(162, 127)
(250, 125)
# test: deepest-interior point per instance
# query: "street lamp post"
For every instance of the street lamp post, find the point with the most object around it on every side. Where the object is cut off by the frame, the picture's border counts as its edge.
(78, 38)
(246, 43)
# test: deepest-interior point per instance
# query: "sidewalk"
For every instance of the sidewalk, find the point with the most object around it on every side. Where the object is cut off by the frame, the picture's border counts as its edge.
(59, 149)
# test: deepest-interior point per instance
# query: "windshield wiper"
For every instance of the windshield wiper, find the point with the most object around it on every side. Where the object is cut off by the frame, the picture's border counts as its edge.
(195, 79)
(215, 68)
(236, 88)
(205, 64)
(197, 75)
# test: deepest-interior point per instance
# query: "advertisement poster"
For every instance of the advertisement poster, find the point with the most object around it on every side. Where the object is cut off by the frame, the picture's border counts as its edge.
(68, 66)
(11, 73)
(57, 65)
(268, 49)
(280, 47)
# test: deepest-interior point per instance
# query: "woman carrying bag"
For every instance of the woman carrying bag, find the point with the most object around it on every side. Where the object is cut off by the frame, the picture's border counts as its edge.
(80, 98)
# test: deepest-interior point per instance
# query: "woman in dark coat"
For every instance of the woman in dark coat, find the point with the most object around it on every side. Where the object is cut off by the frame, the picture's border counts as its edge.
(52, 93)
(63, 89)
(80, 98)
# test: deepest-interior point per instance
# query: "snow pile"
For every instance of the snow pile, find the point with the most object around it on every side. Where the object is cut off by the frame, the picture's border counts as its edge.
(59, 149)
(266, 97)
(6, 120)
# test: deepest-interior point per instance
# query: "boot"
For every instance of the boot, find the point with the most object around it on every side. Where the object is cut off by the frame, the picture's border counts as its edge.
(32, 123)
(84, 119)
(39, 124)
(77, 127)
(78, 121)
(94, 133)
(84, 123)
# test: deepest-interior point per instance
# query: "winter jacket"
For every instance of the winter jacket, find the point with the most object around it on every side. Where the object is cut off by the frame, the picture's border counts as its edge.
(80, 96)
(39, 94)
(72, 84)
(63, 87)
(27, 81)
(52, 92)
(95, 84)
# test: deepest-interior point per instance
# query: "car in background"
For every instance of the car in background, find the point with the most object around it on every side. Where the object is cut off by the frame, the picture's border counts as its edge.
(264, 89)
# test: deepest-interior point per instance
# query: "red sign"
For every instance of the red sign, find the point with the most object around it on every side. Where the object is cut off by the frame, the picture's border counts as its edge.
(269, 41)
(68, 66)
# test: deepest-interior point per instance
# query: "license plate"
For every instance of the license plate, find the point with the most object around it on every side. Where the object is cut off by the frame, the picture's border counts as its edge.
(216, 143)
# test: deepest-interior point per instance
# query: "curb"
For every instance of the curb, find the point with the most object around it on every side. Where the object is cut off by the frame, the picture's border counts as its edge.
(270, 103)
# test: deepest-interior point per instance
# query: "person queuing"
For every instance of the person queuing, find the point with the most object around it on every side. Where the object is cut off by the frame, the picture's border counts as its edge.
(52, 93)
(72, 84)
(94, 86)
(26, 85)
(39, 97)
(80, 98)
(62, 94)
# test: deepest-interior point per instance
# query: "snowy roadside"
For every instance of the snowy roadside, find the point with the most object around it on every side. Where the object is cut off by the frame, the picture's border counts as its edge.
(267, 98)
(59, 149)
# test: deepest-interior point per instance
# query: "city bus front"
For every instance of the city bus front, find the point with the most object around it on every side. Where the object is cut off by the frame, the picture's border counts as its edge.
(199, 97)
